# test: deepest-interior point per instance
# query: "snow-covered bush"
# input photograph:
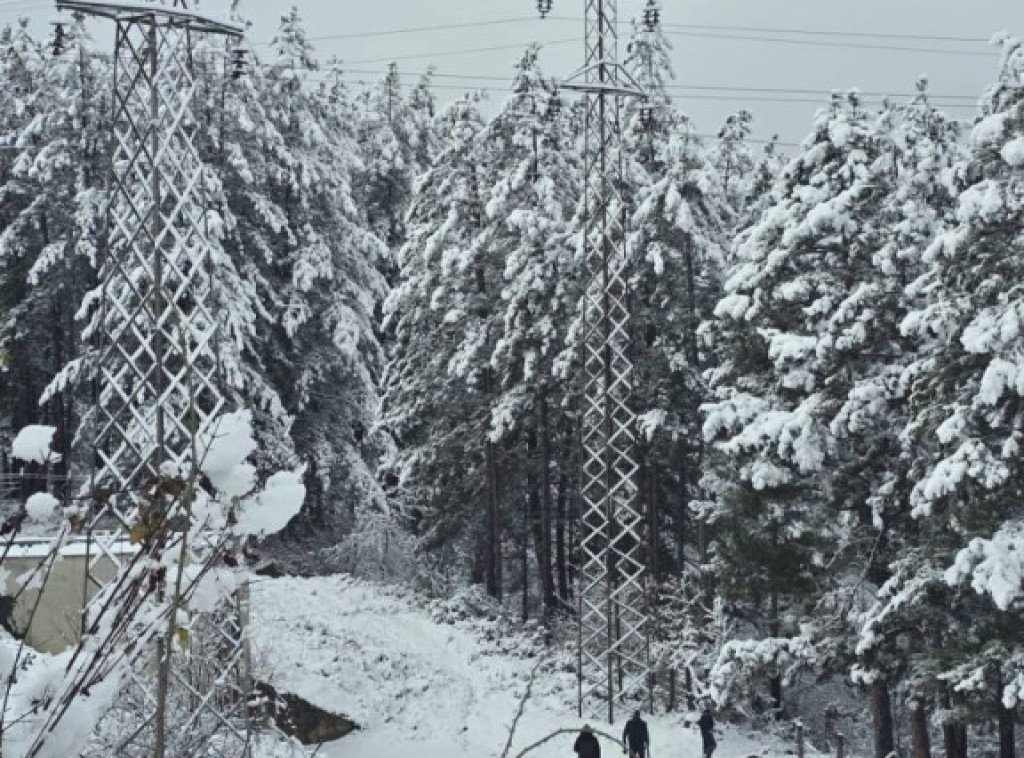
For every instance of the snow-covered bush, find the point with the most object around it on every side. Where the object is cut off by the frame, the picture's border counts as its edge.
(53, 703)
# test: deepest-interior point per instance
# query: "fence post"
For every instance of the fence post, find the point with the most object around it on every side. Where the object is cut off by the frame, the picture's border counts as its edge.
(840, 746)
(799, 740)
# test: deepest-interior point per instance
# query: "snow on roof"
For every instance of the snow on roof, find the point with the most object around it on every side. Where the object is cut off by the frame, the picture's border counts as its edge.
(29, 547)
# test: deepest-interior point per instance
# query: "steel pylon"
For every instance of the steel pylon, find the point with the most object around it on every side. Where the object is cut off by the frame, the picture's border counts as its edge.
(154, 334)
(614, 649)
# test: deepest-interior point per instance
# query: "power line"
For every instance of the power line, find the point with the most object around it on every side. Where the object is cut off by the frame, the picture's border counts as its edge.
(706, 35)
(327, 77)
(824, 33)
(752, 140)
(414, 30)
(832, 44)
(807, 32)
(698, 31)
(692, 27)
(678, 87)
(468, 51)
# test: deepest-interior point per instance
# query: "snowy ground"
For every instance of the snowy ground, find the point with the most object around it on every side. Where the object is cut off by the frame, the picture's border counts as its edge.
(421, 685)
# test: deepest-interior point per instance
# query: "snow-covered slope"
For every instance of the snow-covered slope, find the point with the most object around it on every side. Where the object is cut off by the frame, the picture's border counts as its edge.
(419, 683)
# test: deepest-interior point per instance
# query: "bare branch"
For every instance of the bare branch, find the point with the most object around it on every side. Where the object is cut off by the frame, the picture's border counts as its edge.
(522, 707)
(559, 733)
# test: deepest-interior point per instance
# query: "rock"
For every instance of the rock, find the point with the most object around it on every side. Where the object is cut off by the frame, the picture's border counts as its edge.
(7, 617)
(299, 718)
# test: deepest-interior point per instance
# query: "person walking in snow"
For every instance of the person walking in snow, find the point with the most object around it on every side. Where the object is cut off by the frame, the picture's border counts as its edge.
(636, 737)
(587, 745)
(707, 731)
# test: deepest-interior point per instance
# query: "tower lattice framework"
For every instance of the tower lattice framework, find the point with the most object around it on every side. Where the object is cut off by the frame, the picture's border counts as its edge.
(614, 647)
(154, 336)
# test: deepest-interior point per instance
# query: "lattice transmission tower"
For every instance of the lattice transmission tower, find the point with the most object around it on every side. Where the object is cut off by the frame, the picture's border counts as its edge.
(614, 648)
(154, 336)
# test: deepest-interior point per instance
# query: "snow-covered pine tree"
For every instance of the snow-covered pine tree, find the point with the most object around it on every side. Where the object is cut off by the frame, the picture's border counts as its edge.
(795, 326)
(534, 179)
(229, 106)
(768, 166)
(646, 122)
(965, 393)
(387, 141)
(680, 224)
(732, 157)
(488, 289)
(53, 205)
(301, 246)
(442, 473)
(922, 148)
(427, 141)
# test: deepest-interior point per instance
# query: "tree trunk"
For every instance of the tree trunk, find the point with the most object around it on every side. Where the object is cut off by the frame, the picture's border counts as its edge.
(477, 569)
(493, 564)
(547, 578)
(954, 731)
(881, 715)
(1007, 731)
(920, 739)
(775, 631)
(561, 554)
(653, 525)
(524, 556)
(682, 505)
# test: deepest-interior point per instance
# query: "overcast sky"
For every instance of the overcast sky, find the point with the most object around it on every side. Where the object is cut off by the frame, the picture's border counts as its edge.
(710, 60)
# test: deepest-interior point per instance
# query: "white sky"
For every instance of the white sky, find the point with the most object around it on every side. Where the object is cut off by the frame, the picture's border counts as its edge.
(705, 58)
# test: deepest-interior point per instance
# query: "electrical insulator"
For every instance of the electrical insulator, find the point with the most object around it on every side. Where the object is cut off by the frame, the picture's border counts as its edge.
(544, 6)
(59, 39)
(554, 109)
(652, 16)
(238, 63)
(647, 118)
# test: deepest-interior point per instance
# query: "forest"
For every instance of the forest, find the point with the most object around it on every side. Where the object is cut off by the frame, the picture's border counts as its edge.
(827, 340)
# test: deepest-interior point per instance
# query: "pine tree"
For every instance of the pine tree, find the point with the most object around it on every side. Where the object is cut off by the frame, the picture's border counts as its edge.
(54, 203)
(534, 183)
(767, 168)
(965, 429)
(733, 160)
(488, 289)
(426, 139)
(679, 228)
(387, 139)
(794, 326)
(921, 148)
(311, 266)
(440, 474)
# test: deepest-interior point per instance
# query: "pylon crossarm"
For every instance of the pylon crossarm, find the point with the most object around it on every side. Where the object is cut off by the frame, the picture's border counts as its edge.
(132, 11)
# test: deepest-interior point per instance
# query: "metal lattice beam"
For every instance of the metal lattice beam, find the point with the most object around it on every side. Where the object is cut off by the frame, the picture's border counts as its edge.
(155, 335)
(614, 649)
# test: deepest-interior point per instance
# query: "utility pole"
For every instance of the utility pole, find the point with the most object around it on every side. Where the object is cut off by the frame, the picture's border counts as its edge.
(614, 647)
(155, 334)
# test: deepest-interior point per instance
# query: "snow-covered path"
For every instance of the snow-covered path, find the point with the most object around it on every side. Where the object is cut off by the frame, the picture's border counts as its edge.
(418, 687)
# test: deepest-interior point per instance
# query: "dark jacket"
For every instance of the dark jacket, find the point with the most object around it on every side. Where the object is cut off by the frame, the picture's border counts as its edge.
(706, 723)
(635, 735)
(587, 745)
(707, 731)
